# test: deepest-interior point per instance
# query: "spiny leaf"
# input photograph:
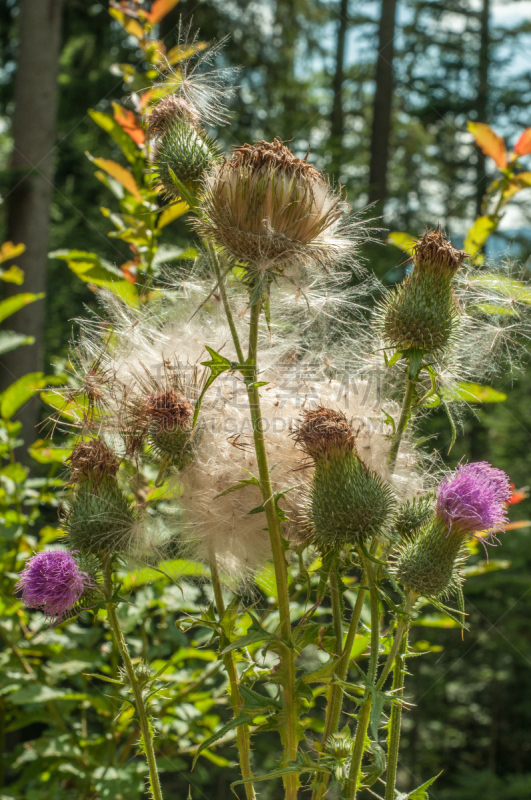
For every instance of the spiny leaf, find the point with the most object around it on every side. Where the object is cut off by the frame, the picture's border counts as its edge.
(241, 719)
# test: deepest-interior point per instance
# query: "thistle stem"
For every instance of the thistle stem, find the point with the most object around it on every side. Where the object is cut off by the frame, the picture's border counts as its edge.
(145, 728)
(242, 731)
(337, 608)
(401, 628)
(290, 735)
(351, 786)
(335, 700)
(402, 422)
(393, 741)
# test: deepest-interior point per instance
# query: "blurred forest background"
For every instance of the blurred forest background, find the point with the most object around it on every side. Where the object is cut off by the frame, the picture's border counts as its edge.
(380, 91)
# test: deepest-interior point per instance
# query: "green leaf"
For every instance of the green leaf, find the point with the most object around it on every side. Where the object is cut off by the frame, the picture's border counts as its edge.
(9, 250)
(9, 340)
(478, 235)
(15, 303)
(324, 674)
(420, 792)
(73, 410)
(12, 275)
(472, 393)
(254, 634)
(109, 124)
(91, 269)
(174, 211)
(103, 678)
(255, 701)
(241, 719)
(43, 452)
(403, 241)
(21, 391)
(505, 287)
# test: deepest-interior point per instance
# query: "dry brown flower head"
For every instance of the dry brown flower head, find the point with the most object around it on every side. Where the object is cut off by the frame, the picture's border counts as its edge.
(272, 155)
(324, 432)
(92, 459)
(433, 251)
(166, 411)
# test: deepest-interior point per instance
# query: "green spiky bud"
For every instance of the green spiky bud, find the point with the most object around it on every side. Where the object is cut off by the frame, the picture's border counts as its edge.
(430, 563)
(422, 312)
(339, 745)
(348, 502)
(184, 155)
(412, 516)
(99, 518)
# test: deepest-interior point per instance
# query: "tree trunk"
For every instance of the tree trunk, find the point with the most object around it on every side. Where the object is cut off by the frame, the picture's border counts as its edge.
(482, 99)
(29, 199)
(337, 117)
(383, 101)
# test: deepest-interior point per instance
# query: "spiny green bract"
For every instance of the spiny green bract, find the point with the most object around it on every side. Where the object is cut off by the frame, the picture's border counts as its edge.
(348, 503)
(185, 153)
(412, 516)
(430, 563)
(179, 445)
(99, 519)
(421, 313)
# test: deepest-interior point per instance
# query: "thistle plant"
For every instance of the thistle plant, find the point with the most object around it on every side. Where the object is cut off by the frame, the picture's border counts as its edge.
(185, 393)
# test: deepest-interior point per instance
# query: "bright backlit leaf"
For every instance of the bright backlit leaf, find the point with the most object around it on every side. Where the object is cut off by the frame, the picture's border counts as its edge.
(491, 144)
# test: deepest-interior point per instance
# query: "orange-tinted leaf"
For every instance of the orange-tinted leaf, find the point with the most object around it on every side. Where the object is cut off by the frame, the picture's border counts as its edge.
(119, 173)
(491, 144)
(10, 250)
(523, 145)
(159, 9)
(518, 494)
(128, 121)
(145, 97)
(513, 526)
(127, 271)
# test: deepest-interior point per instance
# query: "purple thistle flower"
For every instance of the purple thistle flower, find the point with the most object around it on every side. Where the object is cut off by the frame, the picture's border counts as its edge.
(53, 582)
(474, 498)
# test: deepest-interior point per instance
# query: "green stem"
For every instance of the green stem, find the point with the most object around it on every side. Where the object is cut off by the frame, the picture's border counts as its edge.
(290, 732)
(393, 741)
(402, 422)
(337, 609)
(335, 700)
(145, 728)
(242, 731)
(351, 786)
(401, 628)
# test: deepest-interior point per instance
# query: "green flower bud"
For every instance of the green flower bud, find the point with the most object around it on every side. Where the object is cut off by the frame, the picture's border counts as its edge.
(412, 516)
(430, 563)
(91, 460)
(99, 519)
(339, 745)
(348, 502)
(184, 154)
(422, 312)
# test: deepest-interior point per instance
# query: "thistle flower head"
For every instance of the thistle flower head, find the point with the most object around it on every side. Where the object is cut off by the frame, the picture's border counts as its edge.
(92, 459)
(474, 498)
(272, 210)
(53, 582)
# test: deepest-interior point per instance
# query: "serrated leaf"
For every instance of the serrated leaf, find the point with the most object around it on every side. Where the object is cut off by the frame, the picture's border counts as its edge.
(324, 674)
(420, 792)
(13, 304)
(241, 719)
(491, 144)
(256, 633)
(254, 701)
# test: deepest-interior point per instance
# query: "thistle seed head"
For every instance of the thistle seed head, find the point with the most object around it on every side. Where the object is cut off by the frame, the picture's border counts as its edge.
(169, 418)
(324, 433)
(271, 209)
(435, 253)
(91, 459)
